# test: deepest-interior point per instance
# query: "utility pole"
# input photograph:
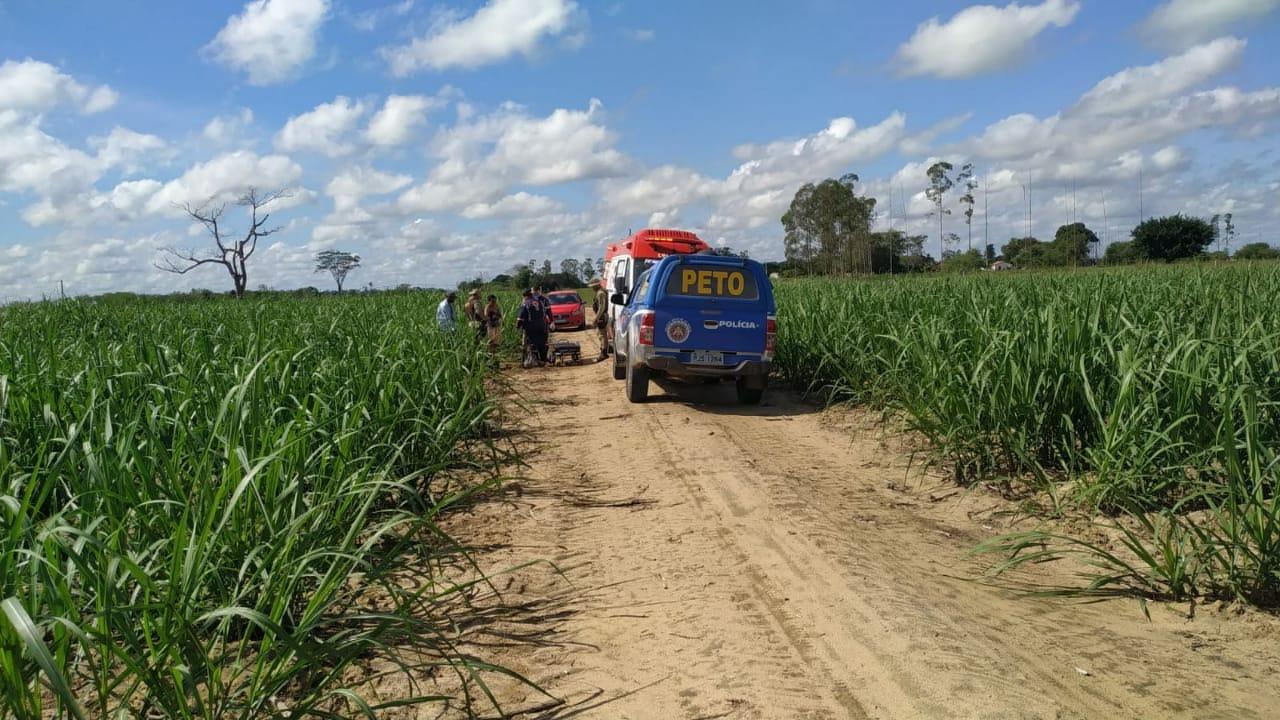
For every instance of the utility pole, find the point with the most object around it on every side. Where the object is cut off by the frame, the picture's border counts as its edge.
(892, 250)
(1024, 209)
(1105, 226)
(1073, 200)
(1140, 215)
(62, 290)
(1029, 178)
(986, 226)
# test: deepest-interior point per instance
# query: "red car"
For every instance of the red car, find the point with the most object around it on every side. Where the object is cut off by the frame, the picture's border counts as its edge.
(567, 310)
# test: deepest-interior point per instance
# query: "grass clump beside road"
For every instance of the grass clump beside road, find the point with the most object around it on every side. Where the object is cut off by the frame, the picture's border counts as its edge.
(1151, 394)
(226, 509)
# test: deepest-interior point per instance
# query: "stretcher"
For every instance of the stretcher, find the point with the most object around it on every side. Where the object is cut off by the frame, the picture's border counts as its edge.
(564, 352)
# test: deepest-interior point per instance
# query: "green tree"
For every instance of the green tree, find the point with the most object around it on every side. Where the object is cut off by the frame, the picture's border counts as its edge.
(1173, 237)
(337, 263)
(966, 180)
(950, 240)
(939, 185)
(1014, 250)
(569, 267)
(828, 227)
(1257, 251)
(1124, 252)
(1073, 243)
(522, 276)
(967, 261)
(892, 250)
(990, 254)
(588, 268)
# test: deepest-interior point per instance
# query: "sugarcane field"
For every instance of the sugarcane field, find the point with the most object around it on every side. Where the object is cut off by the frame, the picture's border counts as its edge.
(553, 359)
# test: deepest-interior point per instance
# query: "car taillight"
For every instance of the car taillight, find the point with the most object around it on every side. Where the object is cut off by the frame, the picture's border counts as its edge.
(770, 334)
(646, 329)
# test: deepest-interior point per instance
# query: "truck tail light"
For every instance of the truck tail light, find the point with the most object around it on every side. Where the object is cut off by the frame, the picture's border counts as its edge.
(770, 335)
(646, 329)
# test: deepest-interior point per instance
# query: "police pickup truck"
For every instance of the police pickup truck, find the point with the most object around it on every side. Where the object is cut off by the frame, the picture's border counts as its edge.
(697, 316)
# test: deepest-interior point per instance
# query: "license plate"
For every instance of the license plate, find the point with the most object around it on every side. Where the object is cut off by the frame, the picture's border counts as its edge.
(706, 357)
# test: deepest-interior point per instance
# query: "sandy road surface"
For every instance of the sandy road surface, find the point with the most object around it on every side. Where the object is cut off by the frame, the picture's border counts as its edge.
(723, 561)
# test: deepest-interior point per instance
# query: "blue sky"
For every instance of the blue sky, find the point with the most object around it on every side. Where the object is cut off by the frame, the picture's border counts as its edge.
(442, 141)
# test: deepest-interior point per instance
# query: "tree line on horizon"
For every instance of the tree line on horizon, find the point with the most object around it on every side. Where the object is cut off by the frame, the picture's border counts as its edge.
(827, 230)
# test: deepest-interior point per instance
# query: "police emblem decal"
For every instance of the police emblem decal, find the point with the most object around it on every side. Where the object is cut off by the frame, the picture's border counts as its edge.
(678, 330)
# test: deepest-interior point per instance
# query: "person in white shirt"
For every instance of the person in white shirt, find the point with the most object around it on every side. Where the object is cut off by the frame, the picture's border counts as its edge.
(444, 313)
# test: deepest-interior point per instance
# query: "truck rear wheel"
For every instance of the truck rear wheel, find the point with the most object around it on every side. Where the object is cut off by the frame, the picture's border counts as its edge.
(637, 383)
(747, 394)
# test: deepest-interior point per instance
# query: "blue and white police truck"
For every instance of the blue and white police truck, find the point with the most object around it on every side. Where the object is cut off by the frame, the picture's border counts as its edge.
(697, 316)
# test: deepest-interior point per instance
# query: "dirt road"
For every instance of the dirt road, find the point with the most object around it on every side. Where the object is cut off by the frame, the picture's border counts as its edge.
(720, 561)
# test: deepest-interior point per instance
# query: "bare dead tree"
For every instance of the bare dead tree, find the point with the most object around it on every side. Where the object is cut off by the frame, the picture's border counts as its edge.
(230, 253)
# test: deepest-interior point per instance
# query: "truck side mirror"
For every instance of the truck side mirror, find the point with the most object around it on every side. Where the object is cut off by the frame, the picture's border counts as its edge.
(618, 299)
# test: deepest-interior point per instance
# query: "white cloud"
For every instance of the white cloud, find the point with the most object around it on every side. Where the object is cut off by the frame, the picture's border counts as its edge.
(567, 145)
(398, 120)
(229, 129)
(323, 129)
(415, 237)
(31, 160)
(829, 151)
(1084, 135)
(226, 177)
(349, 222)
(349, 186)
(270, 40)
(759, 189)
(497, 31)
(1136, 87)
(920, 142)
(1170, 158)
(1016, 136)
(100, 99)
(662, 189)
(34, 86)
(980, 39)
(1180, 23)
(130, 151)
(124, 203)
(369, 20)
(520, 204)
(481, 158)
(642, 35)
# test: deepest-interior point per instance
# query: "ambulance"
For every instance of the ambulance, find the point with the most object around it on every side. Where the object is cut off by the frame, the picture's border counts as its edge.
(624, 261)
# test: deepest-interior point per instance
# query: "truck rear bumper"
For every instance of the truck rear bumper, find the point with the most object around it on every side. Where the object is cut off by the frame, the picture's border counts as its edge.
(675, 368)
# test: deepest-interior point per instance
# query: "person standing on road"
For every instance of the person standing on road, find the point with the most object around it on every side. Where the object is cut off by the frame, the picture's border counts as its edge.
(444, 313)
(473, 310)
(493, 323)
(533, 321)
(600, 306)
(543, 302)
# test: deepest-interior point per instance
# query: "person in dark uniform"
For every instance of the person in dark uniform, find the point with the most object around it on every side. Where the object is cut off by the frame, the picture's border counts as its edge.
(544, 302)
(532, 320)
